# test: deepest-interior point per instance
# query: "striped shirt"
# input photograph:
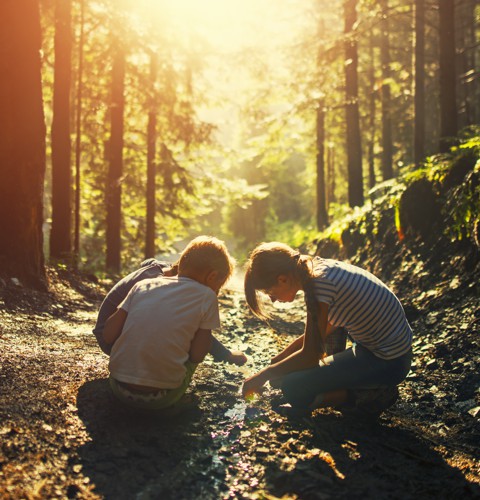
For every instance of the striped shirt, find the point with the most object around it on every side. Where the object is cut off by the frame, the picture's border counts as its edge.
(364, 305)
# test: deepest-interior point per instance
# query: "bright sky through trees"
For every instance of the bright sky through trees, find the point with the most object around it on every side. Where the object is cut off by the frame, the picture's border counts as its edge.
(241, 44)
(231, 25)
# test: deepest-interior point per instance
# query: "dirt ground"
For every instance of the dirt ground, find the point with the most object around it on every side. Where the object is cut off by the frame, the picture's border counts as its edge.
(63, 436)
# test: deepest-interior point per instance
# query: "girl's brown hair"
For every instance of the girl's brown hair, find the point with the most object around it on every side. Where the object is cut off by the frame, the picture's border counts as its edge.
(266, 263)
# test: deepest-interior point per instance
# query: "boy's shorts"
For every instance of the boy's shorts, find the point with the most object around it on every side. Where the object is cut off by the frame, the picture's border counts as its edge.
(158, 400)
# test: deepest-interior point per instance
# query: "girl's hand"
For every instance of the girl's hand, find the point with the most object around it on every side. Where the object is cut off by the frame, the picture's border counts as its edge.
(253, 385)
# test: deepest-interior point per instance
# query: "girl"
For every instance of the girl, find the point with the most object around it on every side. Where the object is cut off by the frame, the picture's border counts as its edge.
(337, 295)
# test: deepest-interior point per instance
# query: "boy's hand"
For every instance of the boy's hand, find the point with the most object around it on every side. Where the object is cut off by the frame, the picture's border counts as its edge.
(237, 358)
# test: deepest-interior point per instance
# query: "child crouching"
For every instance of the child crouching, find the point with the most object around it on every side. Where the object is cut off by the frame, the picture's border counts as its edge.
(162, 330)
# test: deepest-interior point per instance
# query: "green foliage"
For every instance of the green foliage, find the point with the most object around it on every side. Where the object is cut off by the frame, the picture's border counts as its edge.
(463, 202)
(251, 179)
(460, 202)
(296, 234)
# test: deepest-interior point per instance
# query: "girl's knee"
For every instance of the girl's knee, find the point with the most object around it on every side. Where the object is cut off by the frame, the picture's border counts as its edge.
(296, 391)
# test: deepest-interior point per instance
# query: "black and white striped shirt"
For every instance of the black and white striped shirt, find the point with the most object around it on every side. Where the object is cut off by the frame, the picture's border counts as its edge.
(364, 305)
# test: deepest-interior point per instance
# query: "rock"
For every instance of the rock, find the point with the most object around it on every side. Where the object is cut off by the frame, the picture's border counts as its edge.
(432, 364)
(262, 451)
(474, 412)
(420, 210)
(16, 281)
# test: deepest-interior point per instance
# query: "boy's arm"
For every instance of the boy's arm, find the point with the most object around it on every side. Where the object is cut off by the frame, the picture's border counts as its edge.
(114, 326)
(221, 353)
(200, 345)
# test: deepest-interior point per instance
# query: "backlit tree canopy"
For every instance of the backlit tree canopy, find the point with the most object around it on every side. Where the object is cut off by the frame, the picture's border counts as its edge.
(249, 120)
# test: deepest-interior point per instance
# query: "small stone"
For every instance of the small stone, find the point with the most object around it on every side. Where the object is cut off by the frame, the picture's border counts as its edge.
(432, 364)
(474, 412)
(262, 451)
(455, 283)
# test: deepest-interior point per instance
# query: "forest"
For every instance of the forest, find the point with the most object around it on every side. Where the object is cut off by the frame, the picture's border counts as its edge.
(348, 129)
(140, 127)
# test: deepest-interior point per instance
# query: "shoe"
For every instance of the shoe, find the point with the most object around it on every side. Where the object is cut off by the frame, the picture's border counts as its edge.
(371, 403)
(293, 412)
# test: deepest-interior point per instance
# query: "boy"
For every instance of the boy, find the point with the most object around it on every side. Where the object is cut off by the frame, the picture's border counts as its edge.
(162, 330)
(149, 269)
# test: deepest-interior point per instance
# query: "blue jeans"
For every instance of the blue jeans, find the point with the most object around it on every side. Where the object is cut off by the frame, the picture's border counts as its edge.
(354, 368)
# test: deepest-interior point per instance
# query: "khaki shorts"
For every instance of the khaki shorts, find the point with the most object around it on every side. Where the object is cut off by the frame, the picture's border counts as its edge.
(158, 400)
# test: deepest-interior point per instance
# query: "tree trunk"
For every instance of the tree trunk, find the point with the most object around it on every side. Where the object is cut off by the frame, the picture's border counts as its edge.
(419, 99)
(151, 154)
(387, 147)
(115, 156)
(372, 110)
(78, 133)
(448, 104)
(354, 146)
(60, 236)
(469, 75)
(22, 143)
(322, 215)
(331, 198)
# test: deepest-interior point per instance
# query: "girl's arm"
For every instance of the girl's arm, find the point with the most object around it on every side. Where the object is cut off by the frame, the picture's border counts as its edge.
(114, 326)
(200, 346)
(315, 337)
(290, 349)
(296, 345)
(306, 357)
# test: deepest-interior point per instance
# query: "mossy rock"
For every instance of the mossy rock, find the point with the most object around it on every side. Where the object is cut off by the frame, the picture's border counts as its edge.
(352, 240)
(386, 230)
(420, 210)
(328, 249)
(461, 166)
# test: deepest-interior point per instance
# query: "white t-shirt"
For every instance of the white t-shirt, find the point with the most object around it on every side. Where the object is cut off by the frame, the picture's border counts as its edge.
(163, 317)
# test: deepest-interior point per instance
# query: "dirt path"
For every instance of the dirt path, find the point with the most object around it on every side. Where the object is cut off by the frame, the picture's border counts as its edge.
(63, 436)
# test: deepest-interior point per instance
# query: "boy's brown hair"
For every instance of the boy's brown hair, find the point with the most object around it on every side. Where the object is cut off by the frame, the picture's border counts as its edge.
(206, 253)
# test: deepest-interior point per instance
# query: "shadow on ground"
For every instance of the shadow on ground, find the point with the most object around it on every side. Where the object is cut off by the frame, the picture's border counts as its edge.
(134, 455)
(228, 450)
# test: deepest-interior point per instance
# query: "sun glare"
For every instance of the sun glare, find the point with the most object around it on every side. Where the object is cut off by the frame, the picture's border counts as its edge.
(229, 25)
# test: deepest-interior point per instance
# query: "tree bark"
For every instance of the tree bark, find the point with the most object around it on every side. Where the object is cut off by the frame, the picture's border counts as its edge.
(115, 155)
(448, 104)
(331, 198)
(387, 147)
(78, 133)
(151, 154)
(60, 236)
(469, 74)
(354, 146)
(372, 111)
(22, 143)
(322, 214)
(419, 94)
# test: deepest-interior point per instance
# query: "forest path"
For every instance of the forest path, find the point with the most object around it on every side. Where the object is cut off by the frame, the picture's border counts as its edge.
(62, 434)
